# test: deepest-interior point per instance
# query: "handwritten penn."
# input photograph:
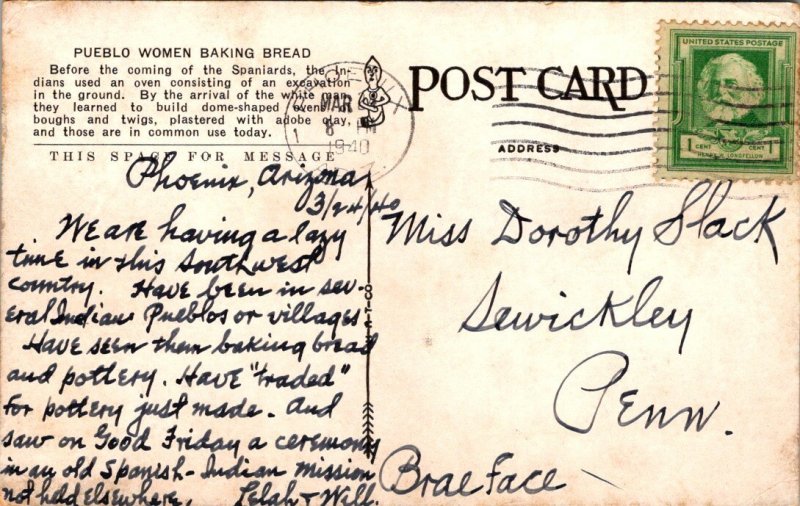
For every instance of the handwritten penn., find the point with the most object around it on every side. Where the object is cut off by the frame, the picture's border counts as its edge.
(455, 83)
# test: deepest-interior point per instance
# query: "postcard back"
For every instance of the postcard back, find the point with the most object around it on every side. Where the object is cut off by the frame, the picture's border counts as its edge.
(384, 254)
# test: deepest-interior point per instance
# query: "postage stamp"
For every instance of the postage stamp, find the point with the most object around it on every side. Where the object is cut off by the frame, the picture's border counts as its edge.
(727, 101)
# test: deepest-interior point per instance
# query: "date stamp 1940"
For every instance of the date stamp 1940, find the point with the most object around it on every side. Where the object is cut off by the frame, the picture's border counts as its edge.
(727, 96)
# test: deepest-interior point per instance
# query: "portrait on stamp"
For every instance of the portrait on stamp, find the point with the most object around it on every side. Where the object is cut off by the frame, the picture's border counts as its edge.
(730, 91)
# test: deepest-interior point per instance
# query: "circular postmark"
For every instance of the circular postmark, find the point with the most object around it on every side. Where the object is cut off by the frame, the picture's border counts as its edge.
(357, 111)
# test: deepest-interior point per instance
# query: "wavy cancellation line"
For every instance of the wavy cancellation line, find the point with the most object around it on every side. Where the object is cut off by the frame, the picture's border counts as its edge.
(577, 132)
(570, 168)
(623, 115)
(565, 186)
(564, 74)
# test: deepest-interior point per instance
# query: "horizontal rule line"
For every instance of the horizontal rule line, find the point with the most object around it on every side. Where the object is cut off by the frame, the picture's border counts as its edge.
(180, 145)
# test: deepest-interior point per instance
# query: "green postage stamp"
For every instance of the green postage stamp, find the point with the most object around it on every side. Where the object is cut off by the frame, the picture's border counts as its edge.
(726, 104)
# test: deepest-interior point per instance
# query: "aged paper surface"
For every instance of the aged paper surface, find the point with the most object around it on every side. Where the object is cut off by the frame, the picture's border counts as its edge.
(351, 254)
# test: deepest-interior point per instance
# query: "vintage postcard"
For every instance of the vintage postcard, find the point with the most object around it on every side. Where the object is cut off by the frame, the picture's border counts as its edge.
(374, 254)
